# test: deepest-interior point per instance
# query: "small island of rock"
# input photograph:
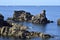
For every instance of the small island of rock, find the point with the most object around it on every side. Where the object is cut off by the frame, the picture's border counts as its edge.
(28, 17)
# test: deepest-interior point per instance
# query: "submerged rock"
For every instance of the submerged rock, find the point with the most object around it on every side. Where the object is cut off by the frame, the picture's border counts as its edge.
(47, 36)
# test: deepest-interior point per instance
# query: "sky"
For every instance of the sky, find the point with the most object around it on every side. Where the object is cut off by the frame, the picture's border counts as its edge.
(29, 2)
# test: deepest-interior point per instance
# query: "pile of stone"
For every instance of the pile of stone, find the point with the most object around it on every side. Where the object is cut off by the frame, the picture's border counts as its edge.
(27, 16)
(20, 31)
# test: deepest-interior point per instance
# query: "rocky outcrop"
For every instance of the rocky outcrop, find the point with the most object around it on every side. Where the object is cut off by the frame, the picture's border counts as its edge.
(20, 31)
(21, 16)
(10, 28)
(27, 16)
(41, 18)
(2, 22)
(4, 30)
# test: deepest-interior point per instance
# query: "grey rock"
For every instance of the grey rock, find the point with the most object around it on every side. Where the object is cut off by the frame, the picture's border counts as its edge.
(27, 16)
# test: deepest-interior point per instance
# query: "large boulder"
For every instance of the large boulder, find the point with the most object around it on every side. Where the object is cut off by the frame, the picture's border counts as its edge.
(22, 16)
(41, 18)
(18, 15)
(27, 16)
(21, 31)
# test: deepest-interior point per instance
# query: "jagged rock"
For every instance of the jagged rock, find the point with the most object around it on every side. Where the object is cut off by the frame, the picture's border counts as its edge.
(10, 28)
(19, 15)
(22, 16)
(41, 18)
(1, 17)
(21, 32)
(2, 22)
(4, 30)
(26, 16)
(5, 23)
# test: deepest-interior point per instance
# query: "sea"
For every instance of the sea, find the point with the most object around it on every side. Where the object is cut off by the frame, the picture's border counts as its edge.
(52, 13)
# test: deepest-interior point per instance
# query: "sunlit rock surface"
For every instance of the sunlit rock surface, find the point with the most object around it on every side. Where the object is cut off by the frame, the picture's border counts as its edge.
(27, 16)
(12, 29)
(20, 31)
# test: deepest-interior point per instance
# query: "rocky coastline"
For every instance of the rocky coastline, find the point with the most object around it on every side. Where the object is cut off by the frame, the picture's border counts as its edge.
(28, 17)
(10, 28)
(21, 32)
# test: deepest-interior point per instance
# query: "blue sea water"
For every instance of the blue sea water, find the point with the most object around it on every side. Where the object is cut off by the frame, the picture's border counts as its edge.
(52, 13)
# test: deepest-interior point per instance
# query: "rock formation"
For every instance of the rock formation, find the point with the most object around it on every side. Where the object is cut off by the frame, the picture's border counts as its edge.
(21, 16)
(10, 28)
(2, 22)
(20, 31)
(27, 16)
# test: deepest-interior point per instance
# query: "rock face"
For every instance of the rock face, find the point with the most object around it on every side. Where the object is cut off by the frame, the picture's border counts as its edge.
(10, 28)
(41, 18)
(26, 16)
(1, 17)
(22, 16)
(2, 22)
(21, 32)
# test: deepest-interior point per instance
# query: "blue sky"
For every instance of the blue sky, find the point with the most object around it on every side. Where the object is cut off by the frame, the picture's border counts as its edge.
(30, 2)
